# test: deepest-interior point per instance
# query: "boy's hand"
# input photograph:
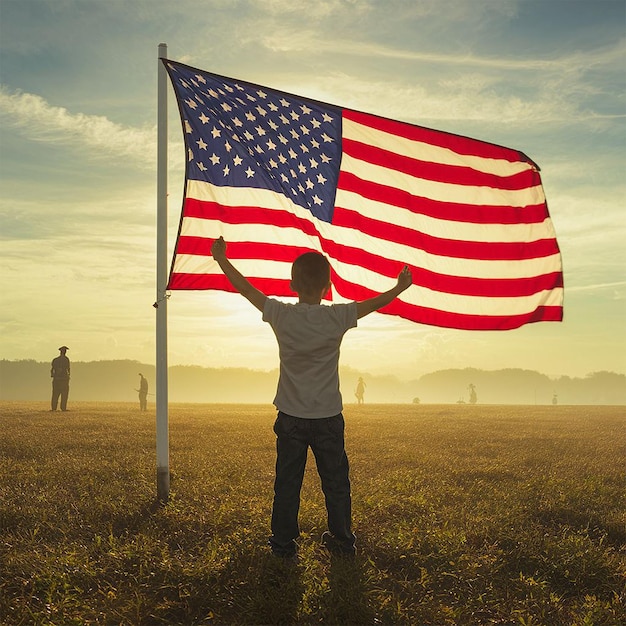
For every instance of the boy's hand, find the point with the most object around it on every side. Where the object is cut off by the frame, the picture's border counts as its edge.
(218, 249)
(405, 278)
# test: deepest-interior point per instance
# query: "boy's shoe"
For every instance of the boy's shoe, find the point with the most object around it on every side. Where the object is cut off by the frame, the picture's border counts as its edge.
(289, 558)
(336, 547)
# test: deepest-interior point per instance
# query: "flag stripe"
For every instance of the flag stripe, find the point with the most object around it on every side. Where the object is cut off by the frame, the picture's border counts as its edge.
(261, 207)
(278, 175)
(454, 144)
(436, 172)
(461, 285)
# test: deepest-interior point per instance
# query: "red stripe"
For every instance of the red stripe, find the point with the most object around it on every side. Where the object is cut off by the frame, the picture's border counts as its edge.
(476, 214)
(274, 286)
(426, 170)
(460, 285)
(494, 251)
(506, 251)
(434, 317)
(456, 143)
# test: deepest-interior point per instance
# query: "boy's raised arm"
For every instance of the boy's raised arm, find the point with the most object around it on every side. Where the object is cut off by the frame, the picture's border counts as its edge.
(236, 278)
(365, 307)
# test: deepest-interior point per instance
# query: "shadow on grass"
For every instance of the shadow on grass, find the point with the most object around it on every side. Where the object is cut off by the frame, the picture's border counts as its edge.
(263, 589)
(347, 599)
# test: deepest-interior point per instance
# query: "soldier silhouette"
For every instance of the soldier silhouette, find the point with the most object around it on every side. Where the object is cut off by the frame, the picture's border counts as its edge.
(60, 373)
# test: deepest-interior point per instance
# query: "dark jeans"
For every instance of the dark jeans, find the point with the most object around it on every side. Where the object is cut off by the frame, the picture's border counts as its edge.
(60, 387)
(325, 437)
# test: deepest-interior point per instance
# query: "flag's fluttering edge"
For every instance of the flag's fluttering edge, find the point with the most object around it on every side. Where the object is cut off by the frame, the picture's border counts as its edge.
(278, 175)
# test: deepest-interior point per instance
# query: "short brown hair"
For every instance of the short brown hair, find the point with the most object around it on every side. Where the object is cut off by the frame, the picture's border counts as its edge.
(310, 273)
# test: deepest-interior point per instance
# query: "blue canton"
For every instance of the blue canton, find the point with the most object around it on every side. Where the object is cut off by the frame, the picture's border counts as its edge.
(243, 135)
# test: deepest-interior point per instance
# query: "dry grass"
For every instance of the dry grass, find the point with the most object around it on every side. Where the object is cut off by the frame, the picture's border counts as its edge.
(465, 515)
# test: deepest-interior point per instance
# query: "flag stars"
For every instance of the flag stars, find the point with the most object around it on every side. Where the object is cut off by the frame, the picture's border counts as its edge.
(294, 142)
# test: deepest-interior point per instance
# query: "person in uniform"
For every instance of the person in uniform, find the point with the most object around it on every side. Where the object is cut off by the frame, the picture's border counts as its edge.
(60, 373)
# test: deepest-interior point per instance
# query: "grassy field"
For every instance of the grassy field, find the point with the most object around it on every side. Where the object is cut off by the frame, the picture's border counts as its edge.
(464, 515)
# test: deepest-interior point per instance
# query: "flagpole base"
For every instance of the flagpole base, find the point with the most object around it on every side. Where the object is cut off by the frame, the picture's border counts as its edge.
(163, 485)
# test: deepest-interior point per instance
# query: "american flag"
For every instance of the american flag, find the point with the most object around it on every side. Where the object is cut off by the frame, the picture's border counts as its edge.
(277, 175)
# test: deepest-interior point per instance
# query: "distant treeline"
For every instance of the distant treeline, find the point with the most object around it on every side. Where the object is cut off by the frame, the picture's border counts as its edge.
(117, 381)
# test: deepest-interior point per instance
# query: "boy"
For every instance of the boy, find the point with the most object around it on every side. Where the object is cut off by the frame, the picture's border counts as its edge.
(308, 400)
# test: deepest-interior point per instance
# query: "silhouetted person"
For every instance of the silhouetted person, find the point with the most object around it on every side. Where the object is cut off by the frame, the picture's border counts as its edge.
(308, 399)
(60, 373)
(472, 395)
(360, 391)
(555, 400)
(143, 393)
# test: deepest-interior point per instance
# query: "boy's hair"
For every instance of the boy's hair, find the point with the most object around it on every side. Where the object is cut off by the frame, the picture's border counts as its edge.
(310, 273)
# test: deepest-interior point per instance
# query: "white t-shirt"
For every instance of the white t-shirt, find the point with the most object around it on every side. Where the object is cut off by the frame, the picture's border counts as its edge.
(309, 336)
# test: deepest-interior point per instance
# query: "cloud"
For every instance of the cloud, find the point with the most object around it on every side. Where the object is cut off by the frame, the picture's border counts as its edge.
(41, 121)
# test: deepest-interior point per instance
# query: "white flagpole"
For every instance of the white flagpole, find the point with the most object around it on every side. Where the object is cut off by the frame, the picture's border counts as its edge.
(162, 428)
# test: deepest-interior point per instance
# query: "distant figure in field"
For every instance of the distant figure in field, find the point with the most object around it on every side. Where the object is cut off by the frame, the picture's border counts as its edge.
(143, 393)
(554, 400)
(472, 394)
(60, 373)
(360, 391)
(308, 399)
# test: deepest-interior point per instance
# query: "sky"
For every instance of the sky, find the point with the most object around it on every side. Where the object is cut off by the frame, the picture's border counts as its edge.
(78, 106)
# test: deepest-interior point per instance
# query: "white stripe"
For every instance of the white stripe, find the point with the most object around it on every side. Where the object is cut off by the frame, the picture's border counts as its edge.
(415, 295)
(445, 229)
(442, 192)
(263, 233)
(293, 236)
(427, 152)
